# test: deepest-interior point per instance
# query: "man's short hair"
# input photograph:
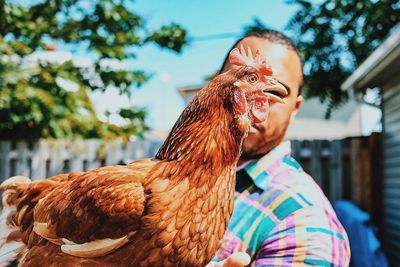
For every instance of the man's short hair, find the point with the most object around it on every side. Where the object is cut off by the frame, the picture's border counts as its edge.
(272, 36)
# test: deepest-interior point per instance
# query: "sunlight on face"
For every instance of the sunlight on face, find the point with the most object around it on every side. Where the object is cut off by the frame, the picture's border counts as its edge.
(286, 66)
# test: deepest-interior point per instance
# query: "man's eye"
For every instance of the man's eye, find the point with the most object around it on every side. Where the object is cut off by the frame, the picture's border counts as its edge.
(252, 78)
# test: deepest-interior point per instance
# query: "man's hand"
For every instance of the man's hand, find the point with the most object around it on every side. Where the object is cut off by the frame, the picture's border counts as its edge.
(237, 259)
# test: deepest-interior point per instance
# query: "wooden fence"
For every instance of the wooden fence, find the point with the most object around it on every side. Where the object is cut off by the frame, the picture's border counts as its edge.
(348, 169)
(47, 158)
(345, 169)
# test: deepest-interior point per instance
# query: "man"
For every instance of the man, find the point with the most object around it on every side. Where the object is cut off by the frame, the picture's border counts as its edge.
(281, 216)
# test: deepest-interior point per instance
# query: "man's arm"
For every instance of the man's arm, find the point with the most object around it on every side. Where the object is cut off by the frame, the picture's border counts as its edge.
(309, 236)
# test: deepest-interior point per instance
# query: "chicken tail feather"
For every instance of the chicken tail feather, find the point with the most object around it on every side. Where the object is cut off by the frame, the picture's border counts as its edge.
(10, 252)
(11, 246)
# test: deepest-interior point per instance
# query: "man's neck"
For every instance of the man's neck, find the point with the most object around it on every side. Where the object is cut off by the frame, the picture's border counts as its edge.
(242, 161)
(246, 158)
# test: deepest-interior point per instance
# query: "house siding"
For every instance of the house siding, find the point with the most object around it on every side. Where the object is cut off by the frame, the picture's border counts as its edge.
(391, 173)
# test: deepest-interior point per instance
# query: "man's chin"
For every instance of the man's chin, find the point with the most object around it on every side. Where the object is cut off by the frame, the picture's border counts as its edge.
(250, 151)
(257, 147)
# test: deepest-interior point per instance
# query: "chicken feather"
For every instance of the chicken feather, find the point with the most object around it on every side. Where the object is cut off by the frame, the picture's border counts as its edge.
(171, 210)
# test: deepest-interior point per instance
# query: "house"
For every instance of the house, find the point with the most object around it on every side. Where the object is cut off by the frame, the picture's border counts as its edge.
(382, 70)
(310, 122)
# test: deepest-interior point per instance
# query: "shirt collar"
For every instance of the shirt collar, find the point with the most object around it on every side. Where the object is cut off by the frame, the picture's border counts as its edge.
(260, 171)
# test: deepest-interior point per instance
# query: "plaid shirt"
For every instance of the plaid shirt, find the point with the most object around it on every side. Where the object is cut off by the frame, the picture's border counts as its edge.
(282, 218)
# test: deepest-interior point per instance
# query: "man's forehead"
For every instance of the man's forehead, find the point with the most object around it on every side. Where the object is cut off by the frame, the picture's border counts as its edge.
(285, 63)
(267, 49)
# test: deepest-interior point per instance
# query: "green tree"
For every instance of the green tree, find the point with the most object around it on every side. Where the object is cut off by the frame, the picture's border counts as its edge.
(34, 103)
(334, 37)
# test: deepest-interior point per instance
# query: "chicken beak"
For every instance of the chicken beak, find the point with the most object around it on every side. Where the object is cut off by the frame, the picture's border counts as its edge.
(278, 88)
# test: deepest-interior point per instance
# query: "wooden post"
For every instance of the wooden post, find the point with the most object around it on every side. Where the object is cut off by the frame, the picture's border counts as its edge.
(315, 161)
(5, 149)
(56, 161)
(376, 161)
(296, 148)
(22, 167)
(355, 170)
(336, 179)
(305, 155)
(92, 153)
(346, 169)
(76, 158)
(39, 157)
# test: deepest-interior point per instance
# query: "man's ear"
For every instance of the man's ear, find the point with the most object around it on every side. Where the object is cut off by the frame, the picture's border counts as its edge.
(299, 102)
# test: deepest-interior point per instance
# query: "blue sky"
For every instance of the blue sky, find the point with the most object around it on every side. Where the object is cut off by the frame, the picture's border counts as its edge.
(199, 58)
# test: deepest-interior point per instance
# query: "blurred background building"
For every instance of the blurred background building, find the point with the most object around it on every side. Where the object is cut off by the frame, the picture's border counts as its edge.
(382, 70)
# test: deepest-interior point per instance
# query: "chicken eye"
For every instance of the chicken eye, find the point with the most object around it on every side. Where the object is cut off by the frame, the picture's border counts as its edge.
(252, 78)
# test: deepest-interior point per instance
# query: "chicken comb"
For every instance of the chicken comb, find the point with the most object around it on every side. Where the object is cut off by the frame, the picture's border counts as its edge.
(241, 58)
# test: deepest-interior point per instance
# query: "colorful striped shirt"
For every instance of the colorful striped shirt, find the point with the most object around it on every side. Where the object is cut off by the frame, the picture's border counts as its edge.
(282, 217)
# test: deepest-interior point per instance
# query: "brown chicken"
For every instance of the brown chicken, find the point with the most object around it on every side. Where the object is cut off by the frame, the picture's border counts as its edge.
(171, 210)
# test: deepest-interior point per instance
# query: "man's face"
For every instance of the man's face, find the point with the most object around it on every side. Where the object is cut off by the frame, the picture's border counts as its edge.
(286, 66)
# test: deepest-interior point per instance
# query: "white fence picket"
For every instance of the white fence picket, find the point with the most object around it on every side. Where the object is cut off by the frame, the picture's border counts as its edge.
(48, 158)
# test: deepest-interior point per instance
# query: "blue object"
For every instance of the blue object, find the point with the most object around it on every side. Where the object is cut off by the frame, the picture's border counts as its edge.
(366, 250)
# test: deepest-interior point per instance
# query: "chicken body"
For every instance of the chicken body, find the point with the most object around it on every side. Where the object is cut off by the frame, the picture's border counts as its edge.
(180, 228)
(171, 210)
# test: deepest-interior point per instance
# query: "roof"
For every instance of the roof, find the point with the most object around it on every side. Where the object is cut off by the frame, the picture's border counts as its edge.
(382, 64)
(189, 89)
(312, 108)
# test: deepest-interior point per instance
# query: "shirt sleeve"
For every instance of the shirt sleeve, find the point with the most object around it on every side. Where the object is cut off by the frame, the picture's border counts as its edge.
(309, 236)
